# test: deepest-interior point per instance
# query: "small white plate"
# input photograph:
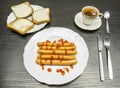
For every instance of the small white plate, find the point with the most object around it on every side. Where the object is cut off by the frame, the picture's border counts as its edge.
(12, 17)
(79, 23)
(53, 78)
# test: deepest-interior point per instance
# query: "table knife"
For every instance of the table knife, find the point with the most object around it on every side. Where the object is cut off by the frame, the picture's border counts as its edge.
(100, 46)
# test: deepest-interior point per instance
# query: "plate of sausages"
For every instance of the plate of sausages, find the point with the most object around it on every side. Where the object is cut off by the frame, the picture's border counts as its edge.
(55, 56)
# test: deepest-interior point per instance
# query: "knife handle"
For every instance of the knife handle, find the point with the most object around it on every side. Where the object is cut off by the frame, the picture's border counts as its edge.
(101, 66)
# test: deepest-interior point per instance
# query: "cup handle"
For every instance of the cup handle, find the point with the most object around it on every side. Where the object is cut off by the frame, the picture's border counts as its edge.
(100, 15)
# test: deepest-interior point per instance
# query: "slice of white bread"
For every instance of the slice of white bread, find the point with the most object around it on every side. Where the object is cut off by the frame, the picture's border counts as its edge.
(22, 10)
(20, 25)
(41, 15)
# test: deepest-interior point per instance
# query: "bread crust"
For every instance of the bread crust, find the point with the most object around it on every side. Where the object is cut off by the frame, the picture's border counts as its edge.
(28, 4)
(10, 25)
(39, 22)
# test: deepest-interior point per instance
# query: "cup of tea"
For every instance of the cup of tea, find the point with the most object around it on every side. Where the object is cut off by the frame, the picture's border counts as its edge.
(90, 14)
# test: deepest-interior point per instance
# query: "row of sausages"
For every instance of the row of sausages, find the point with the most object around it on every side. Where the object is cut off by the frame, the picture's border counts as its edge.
(59, 52)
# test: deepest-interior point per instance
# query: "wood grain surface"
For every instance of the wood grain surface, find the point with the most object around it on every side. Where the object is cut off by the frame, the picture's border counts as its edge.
(12, 71)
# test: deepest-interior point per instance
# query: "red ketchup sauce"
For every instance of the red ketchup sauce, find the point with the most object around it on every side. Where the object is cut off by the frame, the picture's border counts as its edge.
(66, 69)
(71, 66)
(51, 59)
(61, 71)
(61, 42)
(49, 69)
(42, 66)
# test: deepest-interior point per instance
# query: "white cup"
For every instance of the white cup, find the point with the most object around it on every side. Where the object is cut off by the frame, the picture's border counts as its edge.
(90, 14)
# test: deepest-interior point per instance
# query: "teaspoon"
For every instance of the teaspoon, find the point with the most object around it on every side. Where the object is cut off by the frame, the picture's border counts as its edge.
(107, 16)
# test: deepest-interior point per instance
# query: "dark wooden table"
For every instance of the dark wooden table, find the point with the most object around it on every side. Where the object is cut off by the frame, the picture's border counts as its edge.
(12, 71)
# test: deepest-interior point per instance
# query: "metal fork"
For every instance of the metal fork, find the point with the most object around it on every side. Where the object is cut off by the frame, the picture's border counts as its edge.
(107, 45)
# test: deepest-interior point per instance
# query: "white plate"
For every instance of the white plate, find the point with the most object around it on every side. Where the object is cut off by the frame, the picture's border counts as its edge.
(79, 23)
(12, 17)
(53, 78)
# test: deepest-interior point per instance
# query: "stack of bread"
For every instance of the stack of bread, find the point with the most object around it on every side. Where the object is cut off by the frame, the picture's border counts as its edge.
(59, 52)
(24, 10)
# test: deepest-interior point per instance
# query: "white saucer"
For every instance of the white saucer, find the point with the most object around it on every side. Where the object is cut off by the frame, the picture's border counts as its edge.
(79, 23)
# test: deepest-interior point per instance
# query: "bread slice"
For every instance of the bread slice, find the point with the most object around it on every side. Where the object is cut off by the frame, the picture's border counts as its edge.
(41, 15)
(20, 25)
(22, 10)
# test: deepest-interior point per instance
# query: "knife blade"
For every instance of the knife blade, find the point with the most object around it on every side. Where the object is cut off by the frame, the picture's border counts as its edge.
(100, 46)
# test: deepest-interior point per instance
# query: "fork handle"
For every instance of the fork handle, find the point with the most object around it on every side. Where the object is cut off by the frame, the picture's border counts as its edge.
(101, 66)
(110, 66)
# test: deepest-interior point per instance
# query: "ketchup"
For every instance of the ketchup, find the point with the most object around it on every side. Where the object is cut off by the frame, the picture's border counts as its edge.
(71, 66)
(42, 67)
(48, 41)
(49, 69)
(61, 71)
(65, 41)
(51, 59)
(54, 41)
(56, 44)
(65, 51)
(67, 70)
(60, 40)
